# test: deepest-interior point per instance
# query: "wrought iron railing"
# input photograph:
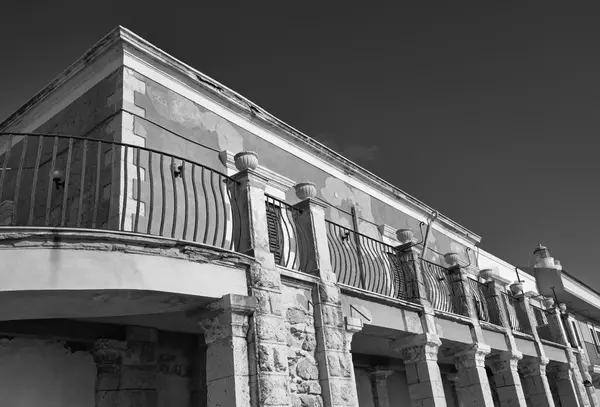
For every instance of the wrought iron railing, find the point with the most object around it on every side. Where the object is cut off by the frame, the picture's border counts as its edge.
(541, 318)
(516, 314)
(486, 302)
(443, 292)
(74, 182)
(363, 262)
(287, 238)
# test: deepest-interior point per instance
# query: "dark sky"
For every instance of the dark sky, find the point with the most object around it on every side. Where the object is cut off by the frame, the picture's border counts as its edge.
(488, 114)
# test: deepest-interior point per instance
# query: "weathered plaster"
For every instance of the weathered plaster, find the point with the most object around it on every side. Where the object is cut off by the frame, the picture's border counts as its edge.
(44, 373)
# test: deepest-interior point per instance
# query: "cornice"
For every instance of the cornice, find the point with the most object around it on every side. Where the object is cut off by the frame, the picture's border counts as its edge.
(275, 179)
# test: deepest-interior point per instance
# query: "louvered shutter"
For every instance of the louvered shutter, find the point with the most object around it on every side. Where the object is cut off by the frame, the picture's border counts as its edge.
(275, 232)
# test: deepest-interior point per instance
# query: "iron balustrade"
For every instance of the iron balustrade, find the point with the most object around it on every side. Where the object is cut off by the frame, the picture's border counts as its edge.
(444, 293)
(363, 262)
(486, 302)
(516, 314)
(287, 238)
(75, 182)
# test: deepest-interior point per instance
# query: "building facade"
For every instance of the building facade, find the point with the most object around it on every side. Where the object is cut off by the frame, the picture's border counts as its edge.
(165, 242)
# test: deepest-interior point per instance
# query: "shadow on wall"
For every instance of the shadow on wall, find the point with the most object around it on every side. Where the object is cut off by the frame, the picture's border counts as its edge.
(44, 373)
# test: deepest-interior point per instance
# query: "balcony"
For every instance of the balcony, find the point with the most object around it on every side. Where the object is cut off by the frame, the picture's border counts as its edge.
(126, 219)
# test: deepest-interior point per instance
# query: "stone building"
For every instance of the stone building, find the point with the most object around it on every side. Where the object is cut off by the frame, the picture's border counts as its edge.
(166, 242)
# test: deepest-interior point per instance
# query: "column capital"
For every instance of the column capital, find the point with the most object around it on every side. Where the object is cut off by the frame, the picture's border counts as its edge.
(472, 357)
(310, 203)
(226, 317)
(418, 348)
(252, 178)
(505, 361)
(380, 372)
(533, 366)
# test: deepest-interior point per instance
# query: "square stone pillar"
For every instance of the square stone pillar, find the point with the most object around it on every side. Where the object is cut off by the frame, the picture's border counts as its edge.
(561, 374)
(420, 355)
(473, 387)
(535, 383)
(458, 277)
(267, 337)
(226, 325)
(333, 333)
(506, 379)
(379, 375)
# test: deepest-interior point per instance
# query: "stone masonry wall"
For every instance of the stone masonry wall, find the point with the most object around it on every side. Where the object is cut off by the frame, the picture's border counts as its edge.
(300, 324)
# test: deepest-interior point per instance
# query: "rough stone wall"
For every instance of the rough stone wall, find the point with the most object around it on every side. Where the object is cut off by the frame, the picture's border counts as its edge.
(45, 373)
(300, 324)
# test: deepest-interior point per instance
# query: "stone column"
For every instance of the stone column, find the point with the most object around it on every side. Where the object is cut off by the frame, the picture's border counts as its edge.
(379, 375)
(108, 356)
(267, 339)
(333, 334)
(559, 334)
(561, 375)
(473, 386)
(226, 324)
(537, 389)
(198, 382)
(138, 375)
(582, 360)
(127, 369)
(506, 378)
(420, 355)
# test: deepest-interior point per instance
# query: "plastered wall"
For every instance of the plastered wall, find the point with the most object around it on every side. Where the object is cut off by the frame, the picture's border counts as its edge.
(37, 373)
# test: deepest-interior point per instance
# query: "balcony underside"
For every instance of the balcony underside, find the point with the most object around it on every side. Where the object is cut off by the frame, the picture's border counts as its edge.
(84, 274)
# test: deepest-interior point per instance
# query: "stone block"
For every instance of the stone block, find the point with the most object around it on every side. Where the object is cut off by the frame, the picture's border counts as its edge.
(273, 390)
(307, 369)
(335, 338)
(272, 358)
(138, 378)
(342, 394)
(227, 357)
(229, 391)
(261, 277)
(268, 302)
(270, 328)
(330, 293)
(140, 354)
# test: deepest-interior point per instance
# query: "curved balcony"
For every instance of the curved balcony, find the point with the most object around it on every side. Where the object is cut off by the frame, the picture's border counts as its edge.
(123, 222)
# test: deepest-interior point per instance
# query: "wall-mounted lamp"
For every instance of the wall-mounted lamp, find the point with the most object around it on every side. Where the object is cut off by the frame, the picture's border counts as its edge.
(177, 170)
(58, 176)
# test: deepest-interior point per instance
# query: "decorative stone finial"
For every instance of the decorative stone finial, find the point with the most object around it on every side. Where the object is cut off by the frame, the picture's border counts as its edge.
(562, 307)
(451, 258)
(516, 287)
(246, 160)
(548, 302)
(404, 235)
(306, 190)
(488, 274)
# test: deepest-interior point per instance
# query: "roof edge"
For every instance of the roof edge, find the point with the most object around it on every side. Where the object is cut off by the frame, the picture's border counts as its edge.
(122, 34)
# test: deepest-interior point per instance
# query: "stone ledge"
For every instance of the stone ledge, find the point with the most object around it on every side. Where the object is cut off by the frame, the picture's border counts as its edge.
(115, 241)
(367, 295)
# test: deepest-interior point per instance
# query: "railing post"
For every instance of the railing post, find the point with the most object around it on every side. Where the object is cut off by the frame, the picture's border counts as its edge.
(458, 279)
(334, 335)
(267, 342)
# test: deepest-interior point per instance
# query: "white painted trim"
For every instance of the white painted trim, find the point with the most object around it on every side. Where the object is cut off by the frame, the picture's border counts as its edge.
(151, 72)
(580, 291)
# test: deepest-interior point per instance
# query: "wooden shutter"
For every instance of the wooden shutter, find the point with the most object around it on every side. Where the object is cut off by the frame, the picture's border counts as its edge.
(275, 232)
